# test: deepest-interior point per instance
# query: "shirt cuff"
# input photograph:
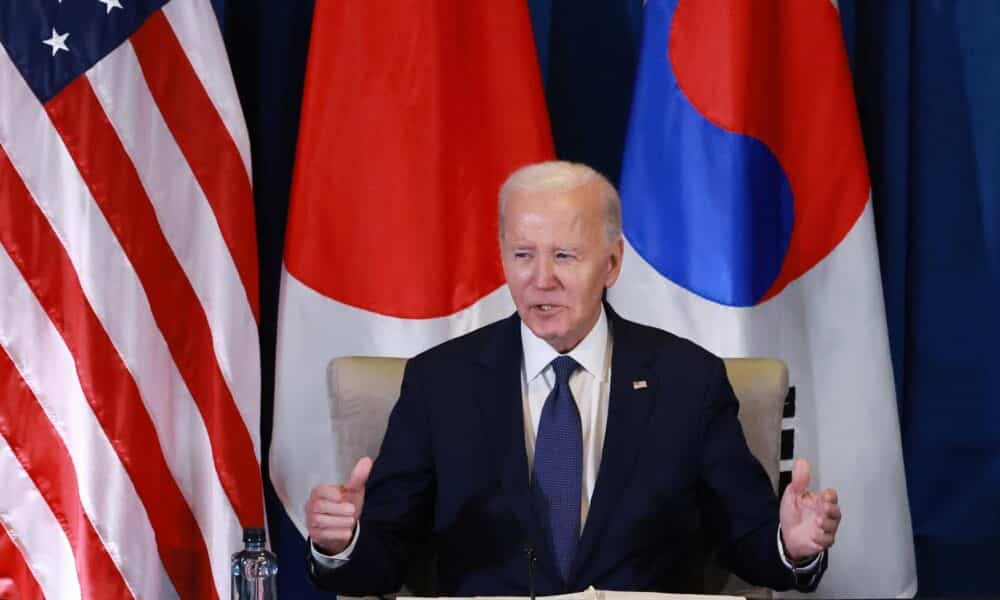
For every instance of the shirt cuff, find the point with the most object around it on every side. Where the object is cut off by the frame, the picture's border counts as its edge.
(807, 569)
(339, 559)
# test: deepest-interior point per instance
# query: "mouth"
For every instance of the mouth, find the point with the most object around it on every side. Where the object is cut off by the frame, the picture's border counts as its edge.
(546, 308)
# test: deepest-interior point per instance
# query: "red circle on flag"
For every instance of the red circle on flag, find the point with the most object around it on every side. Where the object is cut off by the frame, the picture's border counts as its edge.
(410, 124)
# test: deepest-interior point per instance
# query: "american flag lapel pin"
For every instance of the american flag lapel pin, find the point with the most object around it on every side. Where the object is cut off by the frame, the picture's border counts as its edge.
(639, 384)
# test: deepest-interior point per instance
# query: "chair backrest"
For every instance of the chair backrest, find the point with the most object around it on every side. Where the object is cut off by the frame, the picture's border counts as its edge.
(761, 386)
(363, 391)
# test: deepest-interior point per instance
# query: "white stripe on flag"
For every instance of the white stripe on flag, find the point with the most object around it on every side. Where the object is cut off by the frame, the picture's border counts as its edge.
(189, 225)
(33, 528)
(195, 25)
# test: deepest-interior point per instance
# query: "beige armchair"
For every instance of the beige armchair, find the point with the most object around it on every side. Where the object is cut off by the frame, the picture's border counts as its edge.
(363, 391)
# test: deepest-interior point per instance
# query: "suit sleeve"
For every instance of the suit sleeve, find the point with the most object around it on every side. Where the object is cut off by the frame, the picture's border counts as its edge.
(397, 515)
(741, 508)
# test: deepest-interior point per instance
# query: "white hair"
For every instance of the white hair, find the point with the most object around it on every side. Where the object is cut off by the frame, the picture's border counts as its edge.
(558, 175)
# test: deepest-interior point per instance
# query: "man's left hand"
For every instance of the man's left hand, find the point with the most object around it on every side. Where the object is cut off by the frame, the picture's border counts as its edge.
(809, 520)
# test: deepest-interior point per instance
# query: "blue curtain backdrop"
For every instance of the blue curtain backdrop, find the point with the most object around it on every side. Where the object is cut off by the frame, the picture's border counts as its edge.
(927, 76)
(928, 90)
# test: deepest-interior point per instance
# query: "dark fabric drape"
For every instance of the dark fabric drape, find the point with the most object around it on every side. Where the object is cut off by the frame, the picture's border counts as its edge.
(592, 54)
(928, 89)
(267, 44)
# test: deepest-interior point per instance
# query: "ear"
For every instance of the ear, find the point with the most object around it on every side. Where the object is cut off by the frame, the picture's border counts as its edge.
(615, 262)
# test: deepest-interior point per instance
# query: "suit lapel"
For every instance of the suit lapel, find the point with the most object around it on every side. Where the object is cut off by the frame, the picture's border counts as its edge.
(633, 388)
(503, 422)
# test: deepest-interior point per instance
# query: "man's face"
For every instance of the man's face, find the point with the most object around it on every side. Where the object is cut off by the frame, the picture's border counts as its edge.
(558, 260)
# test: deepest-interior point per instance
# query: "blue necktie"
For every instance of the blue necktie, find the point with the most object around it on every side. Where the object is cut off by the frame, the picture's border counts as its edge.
(558, 469)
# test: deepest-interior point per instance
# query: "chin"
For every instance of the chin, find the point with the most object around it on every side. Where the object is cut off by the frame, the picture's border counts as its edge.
(556, 339)
(546, 332)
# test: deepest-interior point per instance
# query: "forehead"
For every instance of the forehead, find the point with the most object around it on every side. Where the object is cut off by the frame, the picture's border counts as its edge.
(577, 208)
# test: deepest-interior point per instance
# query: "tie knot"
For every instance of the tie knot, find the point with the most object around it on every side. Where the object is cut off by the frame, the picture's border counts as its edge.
(564, 367)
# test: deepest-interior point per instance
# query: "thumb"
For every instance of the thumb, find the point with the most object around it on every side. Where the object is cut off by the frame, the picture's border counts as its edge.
(800, 477)
(360, 473)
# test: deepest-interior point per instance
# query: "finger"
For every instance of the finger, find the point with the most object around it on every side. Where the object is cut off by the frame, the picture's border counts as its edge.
(827, 510)
(827, 525)
(331, 494)
(360, 473)
(833, 511)
(327, 491)
(322, 522)
(824, 540)
(334, 509)
(830, 495)
(800, 476)
(807, 499)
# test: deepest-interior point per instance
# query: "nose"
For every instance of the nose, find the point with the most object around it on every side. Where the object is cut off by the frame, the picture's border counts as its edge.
(545, 274)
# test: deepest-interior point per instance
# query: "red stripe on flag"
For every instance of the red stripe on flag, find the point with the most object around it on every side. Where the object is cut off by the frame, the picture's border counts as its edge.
(204, 140)
(115, 185)
(41, 452)
(17, 582)
(107, 383)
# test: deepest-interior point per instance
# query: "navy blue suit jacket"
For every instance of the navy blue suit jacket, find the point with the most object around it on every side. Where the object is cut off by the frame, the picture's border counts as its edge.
(675, 478)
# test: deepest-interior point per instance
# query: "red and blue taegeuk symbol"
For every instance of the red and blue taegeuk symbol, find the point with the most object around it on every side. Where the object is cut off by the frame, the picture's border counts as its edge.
(744, 165)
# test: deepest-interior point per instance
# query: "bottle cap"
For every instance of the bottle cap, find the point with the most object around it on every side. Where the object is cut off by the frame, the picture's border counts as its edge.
(253, 535)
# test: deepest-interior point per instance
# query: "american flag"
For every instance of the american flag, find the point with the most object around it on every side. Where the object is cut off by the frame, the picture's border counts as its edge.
(129, 370)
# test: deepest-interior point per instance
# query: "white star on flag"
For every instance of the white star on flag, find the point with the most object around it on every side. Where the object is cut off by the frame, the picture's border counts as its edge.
(111, 4)
(57, 42)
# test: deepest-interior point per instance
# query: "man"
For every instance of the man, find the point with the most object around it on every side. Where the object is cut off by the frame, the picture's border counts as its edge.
(610, 450)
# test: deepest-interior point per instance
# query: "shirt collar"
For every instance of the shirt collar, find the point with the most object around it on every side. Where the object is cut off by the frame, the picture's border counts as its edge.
(590, 353)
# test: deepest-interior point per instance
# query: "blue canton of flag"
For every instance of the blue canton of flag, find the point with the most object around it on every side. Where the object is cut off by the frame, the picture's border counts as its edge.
(53, 42)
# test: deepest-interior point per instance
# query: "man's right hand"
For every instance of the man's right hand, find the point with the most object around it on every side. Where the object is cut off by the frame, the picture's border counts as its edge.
(332, 510)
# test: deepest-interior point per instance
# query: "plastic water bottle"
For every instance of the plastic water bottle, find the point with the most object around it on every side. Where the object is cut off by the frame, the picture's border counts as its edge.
(254, 569)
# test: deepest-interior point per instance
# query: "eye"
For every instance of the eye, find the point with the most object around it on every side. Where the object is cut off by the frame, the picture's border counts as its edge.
(565, 256)
(522, 254)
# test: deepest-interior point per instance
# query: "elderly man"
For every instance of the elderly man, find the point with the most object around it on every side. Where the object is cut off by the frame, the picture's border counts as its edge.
(610, 450)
